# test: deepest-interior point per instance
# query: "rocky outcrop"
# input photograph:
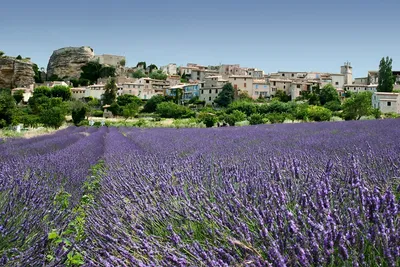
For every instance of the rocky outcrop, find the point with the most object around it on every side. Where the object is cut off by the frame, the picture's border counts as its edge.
(16, 73)
(67, 62)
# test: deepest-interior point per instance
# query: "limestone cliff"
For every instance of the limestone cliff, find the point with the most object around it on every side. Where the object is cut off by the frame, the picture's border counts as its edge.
(16, 73)
(67, 61)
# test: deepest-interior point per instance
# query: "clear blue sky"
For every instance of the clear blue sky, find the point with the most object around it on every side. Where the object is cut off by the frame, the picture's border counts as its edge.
(289, 35)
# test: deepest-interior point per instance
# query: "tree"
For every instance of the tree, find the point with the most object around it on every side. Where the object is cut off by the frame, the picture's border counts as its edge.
(327, 94)
(18, 96)
(235, 116)
(152, 67)
(1, 54)
(281, 95)
(244, 96)
(110, 93)
(42, 91)
(138, 74)
(122, 62)
(125, 100)
(130, 110)
(141, 64)
(209, 119)
(226, 96)
(256, 119)
(151, 104)
(79, 115)
(246, 107)
(38, 74)
(93, 70)
(61, 91)
(115, 109)
(54, 77)
(158, 75)
(358, 105)
(172, 110)
(7, 109)
(385, 76)
(317, 113)
(53, 117)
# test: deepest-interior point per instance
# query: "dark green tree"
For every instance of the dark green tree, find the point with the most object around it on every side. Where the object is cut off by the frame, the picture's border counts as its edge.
(138, 74)
(61, 91)
(79, 115)
(281, 95)
(125, 100)
(7, 109)
(1, 54)
(256, 118)
(42, 91)
(327, 94)
(38, 74)
(18, 96)
(158, 75)
(18, 57)
(385, 76)
(358, 105)
(152, 67)
(54, 77)
(93, 70)
(151, 104)
(141, 64)
(130, 110)
(53, 117)
(226, 96)
(110, 93)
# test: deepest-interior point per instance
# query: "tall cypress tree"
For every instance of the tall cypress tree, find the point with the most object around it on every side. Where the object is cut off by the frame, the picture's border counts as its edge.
(110, 93)
(385, 75)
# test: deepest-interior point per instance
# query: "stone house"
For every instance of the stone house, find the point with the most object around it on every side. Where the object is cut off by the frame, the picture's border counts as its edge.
(386, 102)
(78, 93)
(188, 91)
(97, 91)
(212, 87)
(242, 83)
(260, 88)
(28, 93)
(170, 69)
(145, 88)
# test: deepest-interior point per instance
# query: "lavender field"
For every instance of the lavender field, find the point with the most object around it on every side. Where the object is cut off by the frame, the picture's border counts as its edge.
(310, 194)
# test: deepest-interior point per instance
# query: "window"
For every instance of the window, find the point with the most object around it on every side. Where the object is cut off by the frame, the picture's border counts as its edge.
(209, 91)
(256, 86)
(336, 83)
(283, 74)
(244, 85)
(202, 91)
(298, 86)
(284, 87)
(274, 83)
(235, 87)
(292, 74)
(234, 79)
(209, 98)
(216, 91)
(245, 79)
(389, 104)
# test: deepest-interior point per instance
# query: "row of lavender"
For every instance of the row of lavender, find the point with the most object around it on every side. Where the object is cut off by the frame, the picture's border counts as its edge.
(279, 195)
(33, 172)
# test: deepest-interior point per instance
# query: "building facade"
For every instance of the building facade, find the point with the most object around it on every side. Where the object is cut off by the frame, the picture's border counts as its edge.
(170, 69)
(386, 102)
(242, 83)
(212, 87)
(145, 88)
(78, 93)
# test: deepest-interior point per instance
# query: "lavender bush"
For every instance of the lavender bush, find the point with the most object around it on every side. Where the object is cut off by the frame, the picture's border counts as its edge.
(312, 194)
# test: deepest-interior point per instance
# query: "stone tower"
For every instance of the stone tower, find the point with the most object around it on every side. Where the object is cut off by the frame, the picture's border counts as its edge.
(347, 70)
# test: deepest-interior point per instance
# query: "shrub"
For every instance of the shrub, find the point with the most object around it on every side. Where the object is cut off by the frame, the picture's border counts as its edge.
(274, 107)
(246, 107)
(317, 113)
(97, 113)
(78, 115)
(276, 117)
(151, 104)
(209, 119)
(234, 117)
(172, 110)
(333, 105)
(256, 119)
